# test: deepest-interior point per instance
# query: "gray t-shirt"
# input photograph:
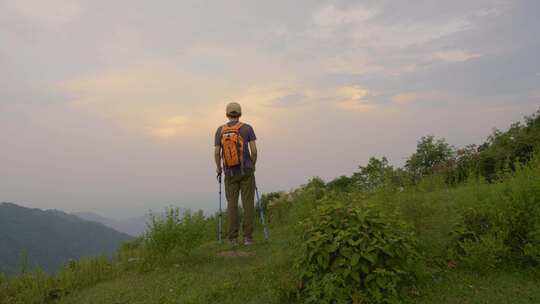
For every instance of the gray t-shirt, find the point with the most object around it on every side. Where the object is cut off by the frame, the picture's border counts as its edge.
(247, 133)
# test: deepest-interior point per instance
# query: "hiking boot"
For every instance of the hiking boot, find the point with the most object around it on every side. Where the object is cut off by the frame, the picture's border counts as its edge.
(248, 241)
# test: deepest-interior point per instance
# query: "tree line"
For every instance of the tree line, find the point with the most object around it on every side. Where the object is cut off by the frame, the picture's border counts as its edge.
(502, 152)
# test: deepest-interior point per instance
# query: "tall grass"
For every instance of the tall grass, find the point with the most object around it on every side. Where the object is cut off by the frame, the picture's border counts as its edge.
(40, 287)
(182, 232)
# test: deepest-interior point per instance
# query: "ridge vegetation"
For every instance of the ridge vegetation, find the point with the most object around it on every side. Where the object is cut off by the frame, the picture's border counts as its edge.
(451, 226)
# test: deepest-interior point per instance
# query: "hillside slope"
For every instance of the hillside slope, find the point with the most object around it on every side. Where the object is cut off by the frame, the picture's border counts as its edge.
(262, 278)
(50, 238)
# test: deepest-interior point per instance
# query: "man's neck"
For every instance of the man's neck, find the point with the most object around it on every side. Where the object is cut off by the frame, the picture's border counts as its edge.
(233, 120)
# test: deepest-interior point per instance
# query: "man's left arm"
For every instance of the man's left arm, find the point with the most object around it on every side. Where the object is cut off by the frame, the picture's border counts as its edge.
(251, 138)
(253, 151)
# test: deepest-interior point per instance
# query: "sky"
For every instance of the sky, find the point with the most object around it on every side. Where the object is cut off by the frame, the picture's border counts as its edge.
(111, 106)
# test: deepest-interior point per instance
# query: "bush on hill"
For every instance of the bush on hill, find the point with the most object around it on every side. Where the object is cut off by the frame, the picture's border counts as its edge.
(182, 232)
(354, 254)
(500, 222)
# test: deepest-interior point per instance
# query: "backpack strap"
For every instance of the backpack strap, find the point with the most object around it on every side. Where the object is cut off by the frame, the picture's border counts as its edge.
(238, 126)
(242, 161)
(235, 127)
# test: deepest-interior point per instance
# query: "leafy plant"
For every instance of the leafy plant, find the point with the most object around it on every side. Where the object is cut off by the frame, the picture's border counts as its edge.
(430, 156)
(175, 231)
(500, 221)
(375, 174)
(354, 253)
(484, 253)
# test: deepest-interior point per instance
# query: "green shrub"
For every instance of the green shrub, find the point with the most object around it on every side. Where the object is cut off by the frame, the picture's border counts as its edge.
(316, 186)
(353, 253)
(500, 221)
(290, 208)
(180, 232)
(532, 248)
(132, 245)
(85, 272)
(29, 288)
(484, 253)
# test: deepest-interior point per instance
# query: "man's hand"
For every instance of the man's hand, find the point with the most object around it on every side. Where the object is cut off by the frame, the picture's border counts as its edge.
(219, 170)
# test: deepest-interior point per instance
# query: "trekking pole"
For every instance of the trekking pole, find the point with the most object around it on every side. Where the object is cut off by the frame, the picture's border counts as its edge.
(220, 211)
(263, 218)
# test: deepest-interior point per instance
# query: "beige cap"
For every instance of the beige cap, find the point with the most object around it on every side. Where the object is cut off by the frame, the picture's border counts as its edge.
(233, 108)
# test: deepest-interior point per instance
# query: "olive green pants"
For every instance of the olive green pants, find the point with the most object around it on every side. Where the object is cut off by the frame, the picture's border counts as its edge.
(235, 185)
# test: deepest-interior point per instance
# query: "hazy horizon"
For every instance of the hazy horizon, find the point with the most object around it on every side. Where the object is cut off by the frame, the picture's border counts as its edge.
(112, 106)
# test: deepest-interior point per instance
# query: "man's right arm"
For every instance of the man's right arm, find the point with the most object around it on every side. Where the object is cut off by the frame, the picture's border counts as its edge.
(217, 151)
(217, 158)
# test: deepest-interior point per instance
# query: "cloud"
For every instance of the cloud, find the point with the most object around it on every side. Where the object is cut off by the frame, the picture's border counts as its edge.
(168, 127)
(455, 55)
(293, 99)
(344, 97)
(332, 16)
(370, 27)
(167, 71)
(162, 98)
(408, 98)
(404, 98)
(142, 94)
(378, 41)
(49, 12)
(353, 98)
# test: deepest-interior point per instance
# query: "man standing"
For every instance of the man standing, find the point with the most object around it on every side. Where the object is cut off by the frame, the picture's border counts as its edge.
(235, 148)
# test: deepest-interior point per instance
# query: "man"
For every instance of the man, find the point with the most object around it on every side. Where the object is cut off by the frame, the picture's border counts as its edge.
(235, 148)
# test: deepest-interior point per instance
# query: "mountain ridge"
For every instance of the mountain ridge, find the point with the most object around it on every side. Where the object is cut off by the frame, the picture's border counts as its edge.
(50, 238)
(134, 226)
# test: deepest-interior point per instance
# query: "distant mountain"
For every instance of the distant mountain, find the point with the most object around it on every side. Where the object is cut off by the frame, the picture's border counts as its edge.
(133, 226)
(50, 238)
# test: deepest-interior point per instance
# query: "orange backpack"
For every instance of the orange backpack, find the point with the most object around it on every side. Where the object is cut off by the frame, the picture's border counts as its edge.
(232, 145)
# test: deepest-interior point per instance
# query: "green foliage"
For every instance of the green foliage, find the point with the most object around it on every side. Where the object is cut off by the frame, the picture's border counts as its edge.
(315, 182)
(175, 231)
(266, 198)
(428, 208)
(23, 266)
(431, 155)
(375, 175)
(341, 184)
(317, 186)
(505, 149)
(484, 253)
(353, 253)
(500, 221)
(39, 287)
(464, 165)
(85, 272)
